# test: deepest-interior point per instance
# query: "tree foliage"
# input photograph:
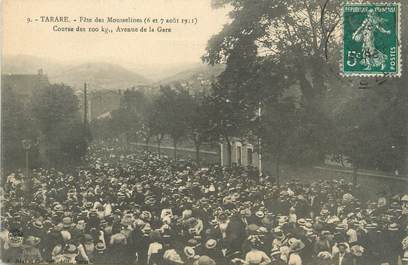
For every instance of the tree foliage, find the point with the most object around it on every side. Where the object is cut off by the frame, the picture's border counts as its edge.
(298, 40)
(63, 138)
(16, 125)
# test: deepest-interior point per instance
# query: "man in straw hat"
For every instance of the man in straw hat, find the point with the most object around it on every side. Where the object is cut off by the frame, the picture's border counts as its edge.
(342, 257)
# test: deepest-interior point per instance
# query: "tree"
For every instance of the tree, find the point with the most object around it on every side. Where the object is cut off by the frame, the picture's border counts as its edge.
(129, 120)
(17, 124)
(157, 122)
(175, 107)
(62, 134)
(278, 123)
(226, 120)
(198, 122)
(296, 37)
(369, 131)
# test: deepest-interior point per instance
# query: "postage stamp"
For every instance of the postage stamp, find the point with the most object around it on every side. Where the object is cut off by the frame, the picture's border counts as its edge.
(371, 39)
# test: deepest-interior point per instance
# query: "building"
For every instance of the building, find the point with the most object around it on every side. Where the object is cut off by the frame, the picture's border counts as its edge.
(102, 102)
(242, 153)
(24, 85)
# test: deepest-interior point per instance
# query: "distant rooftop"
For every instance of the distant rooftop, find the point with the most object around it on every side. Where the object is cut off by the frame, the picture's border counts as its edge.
(24, 84)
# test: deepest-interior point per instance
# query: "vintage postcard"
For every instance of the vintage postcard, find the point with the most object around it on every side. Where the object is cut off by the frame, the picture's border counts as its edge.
(204, 132)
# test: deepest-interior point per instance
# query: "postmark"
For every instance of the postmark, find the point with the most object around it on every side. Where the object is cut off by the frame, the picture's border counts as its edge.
(371, 39)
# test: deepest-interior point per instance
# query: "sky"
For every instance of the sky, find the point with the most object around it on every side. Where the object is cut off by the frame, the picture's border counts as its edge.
(185, 44)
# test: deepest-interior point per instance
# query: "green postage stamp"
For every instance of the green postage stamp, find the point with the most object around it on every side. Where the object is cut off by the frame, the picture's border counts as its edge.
(371, 39)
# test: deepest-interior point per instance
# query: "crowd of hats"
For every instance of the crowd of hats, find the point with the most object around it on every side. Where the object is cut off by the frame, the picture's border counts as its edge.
(141, 208)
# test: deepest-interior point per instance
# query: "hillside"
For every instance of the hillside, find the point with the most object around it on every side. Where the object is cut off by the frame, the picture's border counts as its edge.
(99, 76)
(28, 64)
(198, 73)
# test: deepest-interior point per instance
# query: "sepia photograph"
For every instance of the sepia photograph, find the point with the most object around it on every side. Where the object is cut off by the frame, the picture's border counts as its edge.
(204, 132)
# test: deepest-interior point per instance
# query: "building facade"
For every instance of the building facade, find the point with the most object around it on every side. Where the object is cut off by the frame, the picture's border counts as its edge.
(242, 154)
(24, 85)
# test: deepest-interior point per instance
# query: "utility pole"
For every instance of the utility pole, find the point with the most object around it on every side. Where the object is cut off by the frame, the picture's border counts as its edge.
(85, 108)
(260, 142)
(26, 146)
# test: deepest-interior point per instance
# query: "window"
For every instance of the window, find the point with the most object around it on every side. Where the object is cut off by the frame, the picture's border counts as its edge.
(239, 155)
(249, 156)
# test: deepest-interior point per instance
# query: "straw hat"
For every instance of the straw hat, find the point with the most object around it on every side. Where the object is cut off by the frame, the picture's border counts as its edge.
(100, 246)
(393, 227)
(301, 222)
(189, 252)
(260, 214)
(211, 243)
(357, 250)
(297, 246)
(38, 224)
(172, 256)
(325, 255)
(405, 243)
(343, 244)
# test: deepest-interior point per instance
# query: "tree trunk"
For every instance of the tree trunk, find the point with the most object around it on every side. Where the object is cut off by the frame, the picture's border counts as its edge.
(147, 143)
(197, 147)
(355, 175)
(175, 149)
(158, 147)
(229, 150)
(278, 171)
(126, 142)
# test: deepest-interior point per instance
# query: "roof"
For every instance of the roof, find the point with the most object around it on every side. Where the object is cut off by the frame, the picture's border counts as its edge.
(24, 84)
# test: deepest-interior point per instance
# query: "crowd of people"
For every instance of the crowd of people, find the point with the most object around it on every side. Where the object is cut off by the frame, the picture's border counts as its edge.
(139, 208)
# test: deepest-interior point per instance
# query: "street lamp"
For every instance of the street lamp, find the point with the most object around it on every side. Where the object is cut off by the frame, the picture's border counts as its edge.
(26, 146)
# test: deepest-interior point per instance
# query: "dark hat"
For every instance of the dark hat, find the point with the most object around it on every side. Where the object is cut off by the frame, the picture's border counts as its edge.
(205, 260)
(93, 212)
(67, 222)
(38, 224)
(88, 238)
(252, 228)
